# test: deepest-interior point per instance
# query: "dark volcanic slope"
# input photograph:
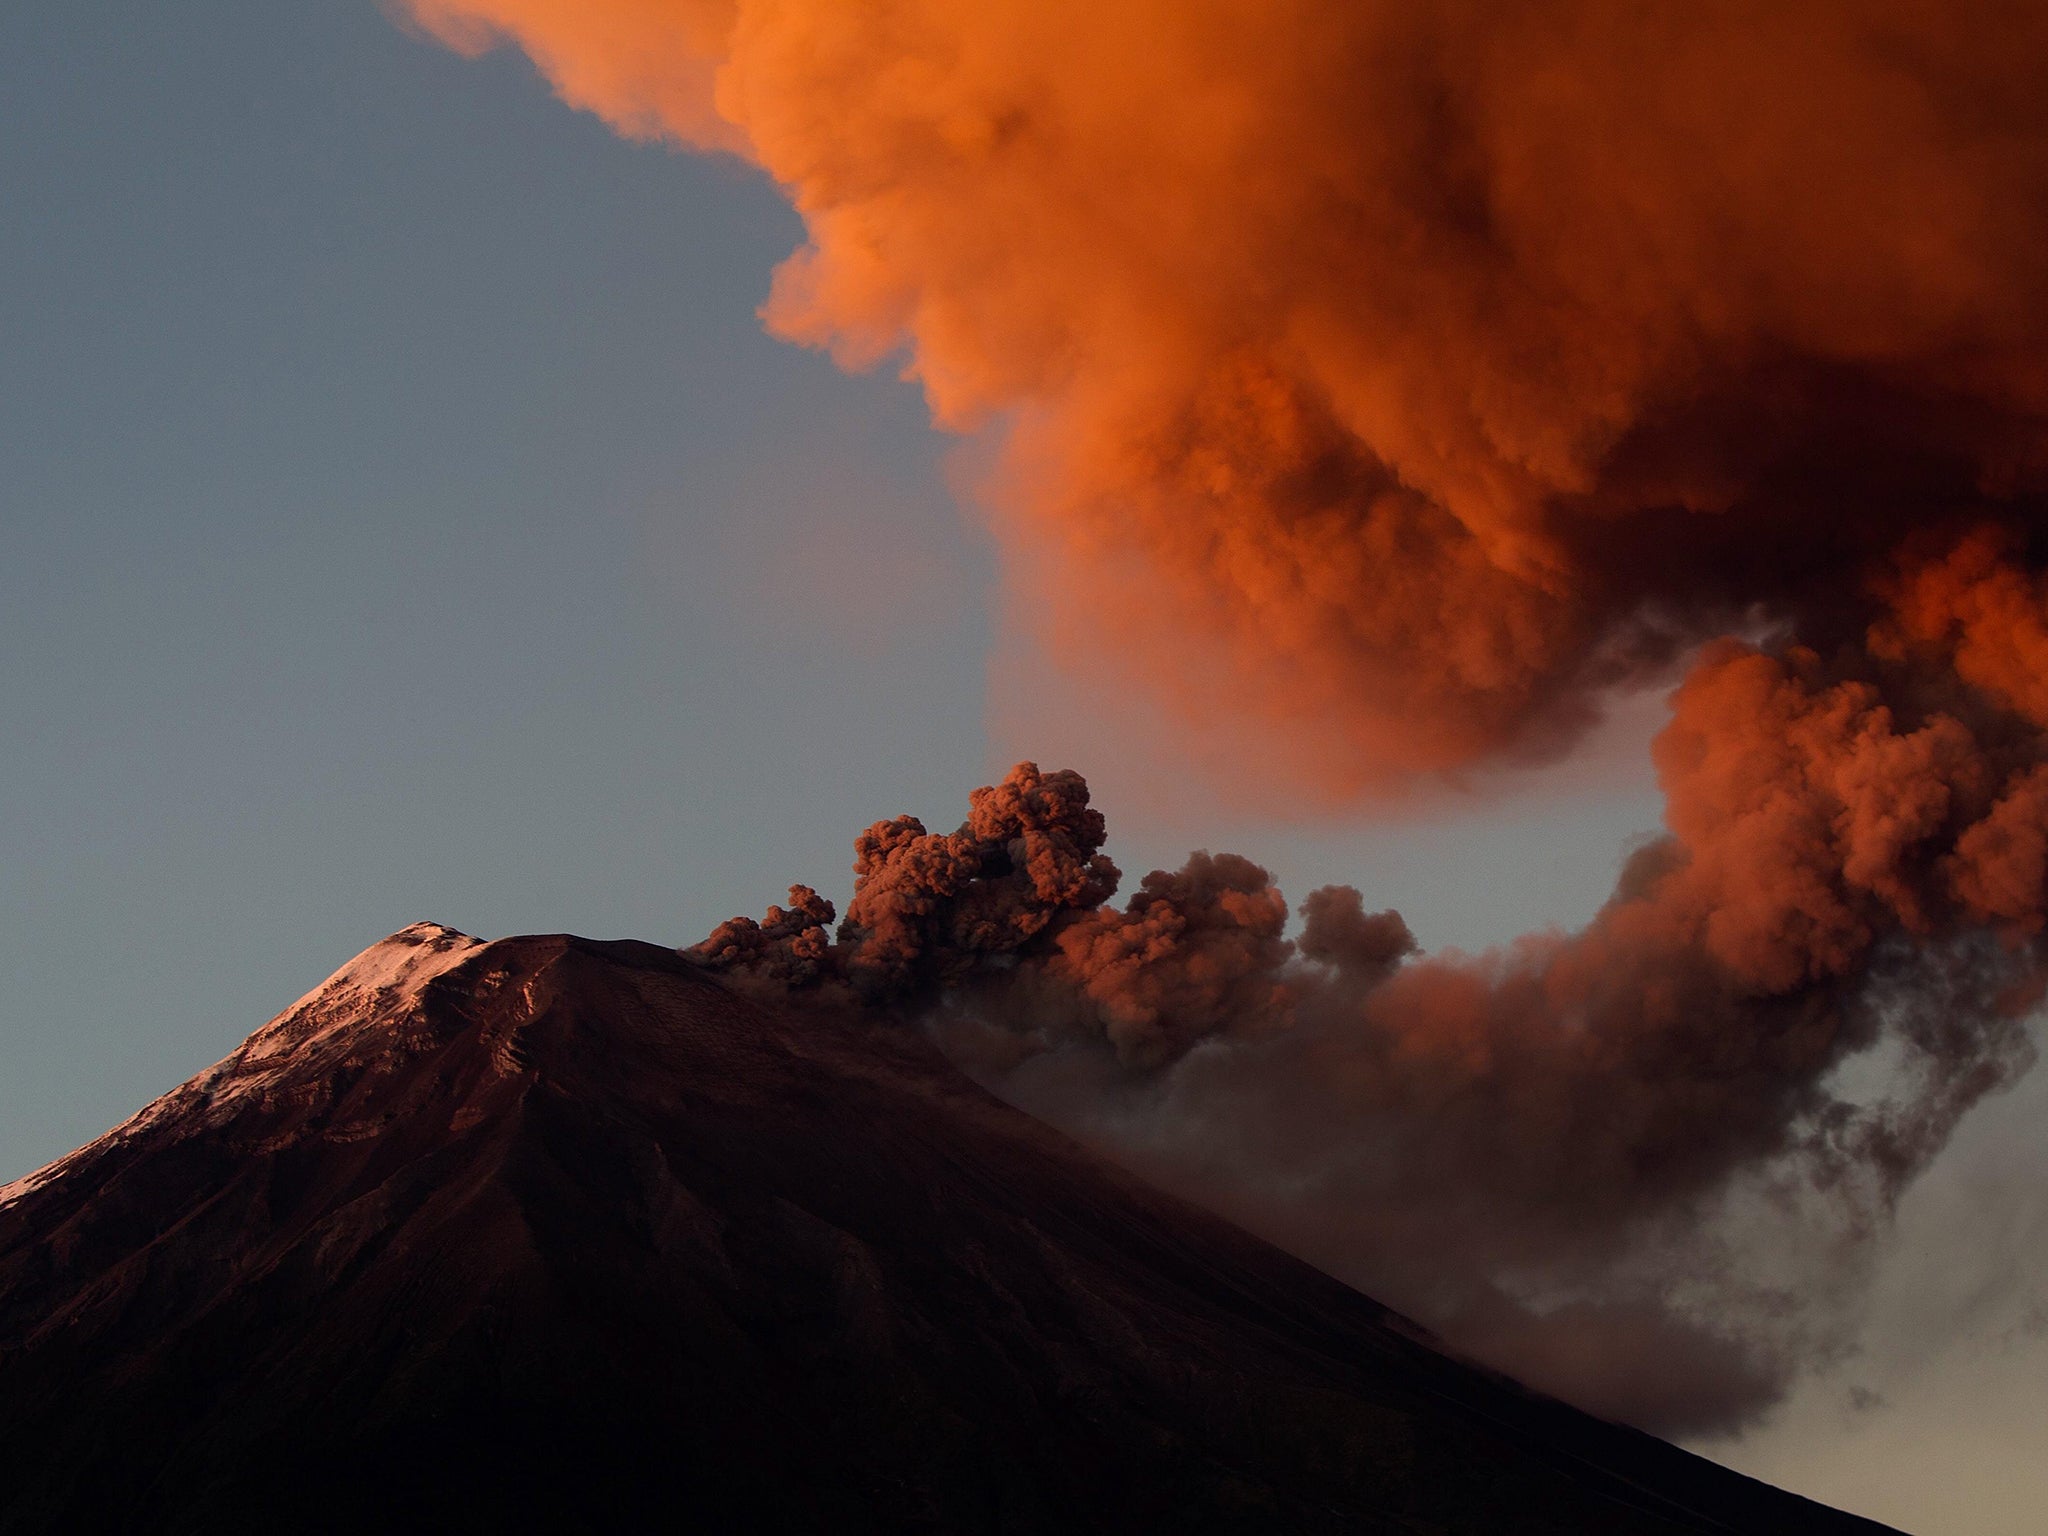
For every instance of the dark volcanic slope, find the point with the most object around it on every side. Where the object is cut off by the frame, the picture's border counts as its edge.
(564, 1235)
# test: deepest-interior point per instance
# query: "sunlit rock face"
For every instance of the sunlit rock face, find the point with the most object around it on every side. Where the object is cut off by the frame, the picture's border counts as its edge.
(555, 1234)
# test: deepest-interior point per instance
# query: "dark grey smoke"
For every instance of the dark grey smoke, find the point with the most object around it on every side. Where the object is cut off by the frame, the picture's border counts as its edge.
(1633, 1165)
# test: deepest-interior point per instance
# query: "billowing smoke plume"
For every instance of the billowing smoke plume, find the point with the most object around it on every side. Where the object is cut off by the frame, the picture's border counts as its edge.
(1582, 1158)
(1403, 372)
(1408, 377)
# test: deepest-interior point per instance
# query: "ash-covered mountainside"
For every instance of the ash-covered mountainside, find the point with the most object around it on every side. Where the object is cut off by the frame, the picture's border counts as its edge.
(556, 1234)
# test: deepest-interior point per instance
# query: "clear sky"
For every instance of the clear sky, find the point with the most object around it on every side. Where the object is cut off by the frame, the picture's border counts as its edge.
(403, 516)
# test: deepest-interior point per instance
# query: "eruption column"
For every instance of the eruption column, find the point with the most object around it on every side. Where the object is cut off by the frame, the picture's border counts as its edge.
(1382, 387)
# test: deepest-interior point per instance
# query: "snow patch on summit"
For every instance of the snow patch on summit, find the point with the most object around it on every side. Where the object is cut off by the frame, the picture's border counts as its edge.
(358, 1012)
(393, 972)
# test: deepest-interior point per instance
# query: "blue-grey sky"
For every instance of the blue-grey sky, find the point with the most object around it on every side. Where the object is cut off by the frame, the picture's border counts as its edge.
(402, 515)
(391, 463)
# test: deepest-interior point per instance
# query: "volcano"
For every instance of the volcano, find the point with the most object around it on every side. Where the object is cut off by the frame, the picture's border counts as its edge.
(555, 1234)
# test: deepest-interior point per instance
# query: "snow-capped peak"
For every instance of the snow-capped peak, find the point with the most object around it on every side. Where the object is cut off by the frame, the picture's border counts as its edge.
(359, 1011)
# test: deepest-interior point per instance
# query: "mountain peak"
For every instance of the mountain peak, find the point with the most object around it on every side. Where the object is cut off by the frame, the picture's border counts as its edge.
(553, 1234)
(386, 979)
(370, 997)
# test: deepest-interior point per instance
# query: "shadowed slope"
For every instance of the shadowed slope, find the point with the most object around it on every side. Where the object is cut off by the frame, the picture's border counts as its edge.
(551, 1232)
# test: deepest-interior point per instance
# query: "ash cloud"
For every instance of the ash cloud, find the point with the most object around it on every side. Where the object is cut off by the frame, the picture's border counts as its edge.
(1402, 377)
(1627, 1164)
(1382, 386)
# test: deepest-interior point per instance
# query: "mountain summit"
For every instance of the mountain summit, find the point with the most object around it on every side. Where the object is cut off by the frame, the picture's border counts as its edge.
(555, 1234)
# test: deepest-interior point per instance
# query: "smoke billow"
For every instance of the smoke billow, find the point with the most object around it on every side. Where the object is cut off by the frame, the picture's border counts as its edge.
(1404, 379)
(1578, 1158)
(1405, 375)
(929, 908)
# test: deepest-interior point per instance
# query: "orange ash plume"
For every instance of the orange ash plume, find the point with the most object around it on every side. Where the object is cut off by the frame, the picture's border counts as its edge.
(1453, 363)
(1408, 378)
